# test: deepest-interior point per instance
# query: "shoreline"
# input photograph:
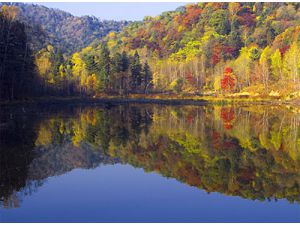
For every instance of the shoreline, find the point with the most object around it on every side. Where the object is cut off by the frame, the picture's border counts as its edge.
(165, 100)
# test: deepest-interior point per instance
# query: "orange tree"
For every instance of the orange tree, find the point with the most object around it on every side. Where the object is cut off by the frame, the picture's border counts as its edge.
(228, 80)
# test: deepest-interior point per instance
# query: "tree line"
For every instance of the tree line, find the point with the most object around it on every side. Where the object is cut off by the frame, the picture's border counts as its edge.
(93, 70)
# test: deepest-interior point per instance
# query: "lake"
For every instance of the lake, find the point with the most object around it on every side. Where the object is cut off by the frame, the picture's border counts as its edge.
(149, 163)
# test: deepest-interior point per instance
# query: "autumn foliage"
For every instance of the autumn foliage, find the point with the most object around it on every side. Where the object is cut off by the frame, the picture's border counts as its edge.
(228, 80)
(228, 116)
(190, 78)
(184, 51)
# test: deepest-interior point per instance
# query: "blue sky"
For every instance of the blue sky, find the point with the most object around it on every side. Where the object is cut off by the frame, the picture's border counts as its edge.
(115, 10)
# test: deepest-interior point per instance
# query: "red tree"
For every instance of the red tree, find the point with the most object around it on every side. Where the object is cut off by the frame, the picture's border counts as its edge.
(190, 78)
(228, 80)
(216, 54)
(191, 16)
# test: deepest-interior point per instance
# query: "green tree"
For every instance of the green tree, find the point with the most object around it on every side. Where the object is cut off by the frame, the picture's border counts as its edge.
(135, 69)
(219, 20)
(103, 65)
(117, 63)
(91, 65)
(147, 77)
(57, 61)
(125, 61)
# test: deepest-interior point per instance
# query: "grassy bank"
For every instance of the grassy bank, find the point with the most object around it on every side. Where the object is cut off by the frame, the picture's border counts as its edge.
(104, 100)
(172, 99)
(222, 100)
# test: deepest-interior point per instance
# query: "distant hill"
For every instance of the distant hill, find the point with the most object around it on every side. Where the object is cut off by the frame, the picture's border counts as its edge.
(62, 29)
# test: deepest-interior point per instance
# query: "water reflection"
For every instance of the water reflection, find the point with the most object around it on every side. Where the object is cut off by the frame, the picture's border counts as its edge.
(251, 152)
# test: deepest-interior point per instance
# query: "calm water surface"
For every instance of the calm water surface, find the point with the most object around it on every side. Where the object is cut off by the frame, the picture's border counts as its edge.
(150, 163)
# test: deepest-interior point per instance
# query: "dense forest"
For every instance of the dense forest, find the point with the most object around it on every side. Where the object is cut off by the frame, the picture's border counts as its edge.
(219, 47)
(216, 49)
(17, 76)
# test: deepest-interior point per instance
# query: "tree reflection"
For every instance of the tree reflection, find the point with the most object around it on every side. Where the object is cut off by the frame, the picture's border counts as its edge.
(251, 152)
(17, 137)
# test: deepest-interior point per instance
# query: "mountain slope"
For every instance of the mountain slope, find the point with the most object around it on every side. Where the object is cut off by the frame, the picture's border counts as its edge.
(190, 48)
(233, 25)
(62, 29)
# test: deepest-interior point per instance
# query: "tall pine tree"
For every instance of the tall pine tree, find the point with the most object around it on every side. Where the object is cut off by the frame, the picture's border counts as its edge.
(103, 67)
(135, 69)
(147, 77)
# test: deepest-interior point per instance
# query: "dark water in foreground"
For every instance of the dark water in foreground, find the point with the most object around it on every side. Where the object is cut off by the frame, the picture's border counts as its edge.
(150, 163)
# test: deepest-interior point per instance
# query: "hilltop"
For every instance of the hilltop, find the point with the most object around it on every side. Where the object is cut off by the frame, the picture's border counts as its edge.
(61, 29)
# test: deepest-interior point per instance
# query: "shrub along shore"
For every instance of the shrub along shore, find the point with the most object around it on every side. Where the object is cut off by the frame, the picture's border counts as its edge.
(170, 99)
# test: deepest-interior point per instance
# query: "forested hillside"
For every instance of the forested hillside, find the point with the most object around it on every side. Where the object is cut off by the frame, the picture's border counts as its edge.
(27, 31)
(227, 47)
(61, 29)
(216, 49)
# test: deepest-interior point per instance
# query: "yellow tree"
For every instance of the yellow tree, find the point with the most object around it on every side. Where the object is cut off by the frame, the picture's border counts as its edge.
(264, 62)
(292, 62)
(44, 62)
(9, 12)
(79, 70)
(276, 65)
(242, 68)
(91, 83)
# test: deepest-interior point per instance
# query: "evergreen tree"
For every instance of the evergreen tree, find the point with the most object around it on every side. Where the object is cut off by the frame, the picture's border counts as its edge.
(135, 69)
(117, 63)
(58, 60)
(91, 65)
(125, 61)
(119, 73)
(103, 66)
(124, 75)
(147, 77)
